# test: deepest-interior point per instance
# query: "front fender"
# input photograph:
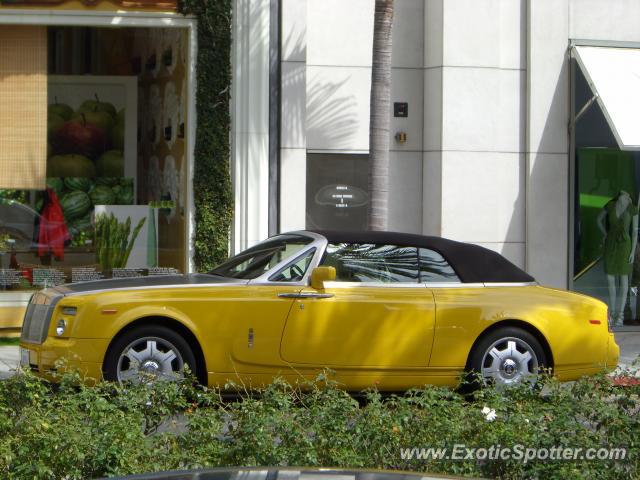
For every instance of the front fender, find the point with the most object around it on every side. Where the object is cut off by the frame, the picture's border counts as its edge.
(109, 320)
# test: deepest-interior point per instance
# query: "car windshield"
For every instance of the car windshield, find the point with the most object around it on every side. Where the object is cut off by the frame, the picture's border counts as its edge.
(262, 257)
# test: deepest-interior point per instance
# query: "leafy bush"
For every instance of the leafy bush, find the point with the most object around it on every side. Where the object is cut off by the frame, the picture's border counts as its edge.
(212, 191)
(74, 431)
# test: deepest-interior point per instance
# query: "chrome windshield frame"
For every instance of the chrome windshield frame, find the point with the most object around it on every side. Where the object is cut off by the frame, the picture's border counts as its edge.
(319, 243)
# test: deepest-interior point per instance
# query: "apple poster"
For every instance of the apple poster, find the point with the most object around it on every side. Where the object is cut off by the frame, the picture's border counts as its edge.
(92, 123)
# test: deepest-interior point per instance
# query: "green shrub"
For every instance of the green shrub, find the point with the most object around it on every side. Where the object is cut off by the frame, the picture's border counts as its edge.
(212, 191)
(74, 431)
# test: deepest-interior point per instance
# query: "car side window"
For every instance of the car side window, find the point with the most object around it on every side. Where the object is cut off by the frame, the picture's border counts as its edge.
(294, 271)
(367, 262)
(434, 268)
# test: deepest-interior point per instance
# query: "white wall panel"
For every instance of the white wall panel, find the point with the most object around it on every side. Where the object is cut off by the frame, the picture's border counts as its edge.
(548, 77)
(603, 19)
(548, 142)
(483, 109)
(407, 85)
(483, 196)
(293, 196)
(294, 30)
(433, 28)
(408, 34)
(432, 193)
(405, 192)
(432, 125)
(548, 218)
(293, 106)
(486, 33)
(340, 32)
(338, 108)
(250, 117)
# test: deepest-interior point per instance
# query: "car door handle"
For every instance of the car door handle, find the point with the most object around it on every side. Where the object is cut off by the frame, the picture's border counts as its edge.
(305, 295)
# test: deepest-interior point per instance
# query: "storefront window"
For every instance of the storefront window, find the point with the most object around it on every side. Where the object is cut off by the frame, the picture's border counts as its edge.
(114, 203)
(337, 191)
(607, 184)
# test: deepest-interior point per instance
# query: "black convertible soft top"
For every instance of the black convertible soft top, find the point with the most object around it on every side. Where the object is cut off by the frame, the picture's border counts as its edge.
(472, 263)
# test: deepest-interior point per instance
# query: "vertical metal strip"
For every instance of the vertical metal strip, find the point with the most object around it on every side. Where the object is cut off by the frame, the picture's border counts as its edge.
(274, 117)
(572, 167)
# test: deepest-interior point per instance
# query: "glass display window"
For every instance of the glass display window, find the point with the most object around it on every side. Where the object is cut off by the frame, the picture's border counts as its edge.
(606, 260)
(113, 203)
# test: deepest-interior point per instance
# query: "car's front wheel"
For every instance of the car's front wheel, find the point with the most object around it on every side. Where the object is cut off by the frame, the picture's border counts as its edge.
(148, 353)
(507, 356)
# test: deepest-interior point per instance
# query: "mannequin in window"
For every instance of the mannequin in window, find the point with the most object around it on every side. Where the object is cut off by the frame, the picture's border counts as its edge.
(618, 221)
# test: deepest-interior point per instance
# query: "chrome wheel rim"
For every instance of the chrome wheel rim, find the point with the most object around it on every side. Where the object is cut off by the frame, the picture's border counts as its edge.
(150, 359)
(509, 361)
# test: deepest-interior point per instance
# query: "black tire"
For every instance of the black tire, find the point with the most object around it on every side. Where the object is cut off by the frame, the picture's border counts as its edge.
(117, 348)
(479, 357)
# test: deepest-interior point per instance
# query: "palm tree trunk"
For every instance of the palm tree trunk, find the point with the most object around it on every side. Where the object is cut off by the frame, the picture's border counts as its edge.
(380, 116)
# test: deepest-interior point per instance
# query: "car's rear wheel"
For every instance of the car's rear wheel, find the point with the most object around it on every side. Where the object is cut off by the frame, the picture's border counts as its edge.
(507, 356)
(147, 354)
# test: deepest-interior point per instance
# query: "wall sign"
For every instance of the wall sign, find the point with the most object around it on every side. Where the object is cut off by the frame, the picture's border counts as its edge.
(400, 109)
(342, 196)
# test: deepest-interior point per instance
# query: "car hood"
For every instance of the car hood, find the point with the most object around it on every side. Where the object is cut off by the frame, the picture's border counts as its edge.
(153, 281)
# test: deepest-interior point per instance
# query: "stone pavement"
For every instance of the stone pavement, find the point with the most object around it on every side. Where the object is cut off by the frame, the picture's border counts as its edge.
(629, 352)
(9, 360)
(629, 343)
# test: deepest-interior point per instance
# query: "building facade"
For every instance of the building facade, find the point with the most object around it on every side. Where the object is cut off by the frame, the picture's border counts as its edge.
(512, 128)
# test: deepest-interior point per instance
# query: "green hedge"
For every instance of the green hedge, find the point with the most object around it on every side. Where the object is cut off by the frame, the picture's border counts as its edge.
(84, 432)
(212, 181)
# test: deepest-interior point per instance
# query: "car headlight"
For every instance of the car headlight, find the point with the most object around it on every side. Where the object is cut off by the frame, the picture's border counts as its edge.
(61, 326)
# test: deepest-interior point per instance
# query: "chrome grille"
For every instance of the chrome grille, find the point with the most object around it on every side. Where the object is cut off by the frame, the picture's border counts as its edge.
(37, 318)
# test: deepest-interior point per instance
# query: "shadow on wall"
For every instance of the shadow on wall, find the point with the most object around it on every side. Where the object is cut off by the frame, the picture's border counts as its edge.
(328, 109)
(548, 183)
(256, 37)
(293, 96)
(514, 247)
(331, 114)
(249, 160)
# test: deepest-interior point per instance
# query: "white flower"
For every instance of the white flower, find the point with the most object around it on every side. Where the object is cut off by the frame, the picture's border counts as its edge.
(489, 414)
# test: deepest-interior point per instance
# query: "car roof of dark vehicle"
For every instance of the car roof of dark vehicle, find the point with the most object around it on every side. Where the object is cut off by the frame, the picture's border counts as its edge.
(472, 263)
(284, 473)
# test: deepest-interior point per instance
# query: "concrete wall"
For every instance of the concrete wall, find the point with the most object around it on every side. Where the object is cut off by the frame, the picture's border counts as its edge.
(293, 114)
(326, 81)
(407, 85)
(460, 66)
(475, 68)
(547, 142)
(250, 122)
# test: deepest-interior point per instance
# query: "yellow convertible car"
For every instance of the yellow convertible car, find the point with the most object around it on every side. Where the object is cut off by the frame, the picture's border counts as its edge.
(379, 309)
